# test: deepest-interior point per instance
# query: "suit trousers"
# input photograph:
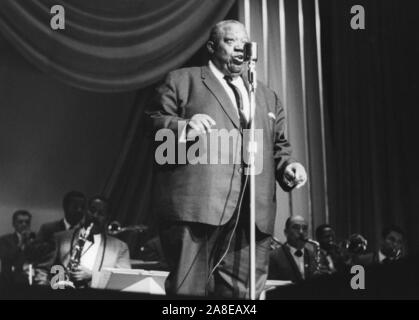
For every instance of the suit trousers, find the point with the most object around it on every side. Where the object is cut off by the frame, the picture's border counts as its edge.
(207, 260)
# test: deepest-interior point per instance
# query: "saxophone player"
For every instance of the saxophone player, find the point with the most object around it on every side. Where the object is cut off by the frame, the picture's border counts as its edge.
(98, 251)
(295, 260)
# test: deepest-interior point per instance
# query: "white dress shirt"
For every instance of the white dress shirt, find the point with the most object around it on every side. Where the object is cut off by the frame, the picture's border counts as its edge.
(66, 224)
(90, 252)
(298, 260)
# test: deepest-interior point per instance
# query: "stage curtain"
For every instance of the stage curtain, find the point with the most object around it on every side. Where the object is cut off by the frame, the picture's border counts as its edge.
(110, 45)
(371, 97)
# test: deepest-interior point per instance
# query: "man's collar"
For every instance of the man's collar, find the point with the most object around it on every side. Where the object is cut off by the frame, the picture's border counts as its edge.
(218, 74)
(381, 256)
(66, 224)
(292, 249)
(18, 235)
(95, 238)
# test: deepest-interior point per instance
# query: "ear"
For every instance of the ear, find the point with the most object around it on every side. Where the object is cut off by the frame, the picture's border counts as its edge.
(211, 47)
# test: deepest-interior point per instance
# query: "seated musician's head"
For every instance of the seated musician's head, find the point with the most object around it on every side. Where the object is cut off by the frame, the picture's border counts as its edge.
(74, 206)
(392, 243)
(296, 231)
(98, 213)
(22, 221)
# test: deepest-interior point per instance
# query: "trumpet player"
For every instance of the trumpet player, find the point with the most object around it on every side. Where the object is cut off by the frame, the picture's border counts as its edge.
(392, 248)
(97, 252)
(295, 260)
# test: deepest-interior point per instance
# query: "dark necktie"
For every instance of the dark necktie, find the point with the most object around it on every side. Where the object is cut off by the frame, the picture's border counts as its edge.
(239, 101)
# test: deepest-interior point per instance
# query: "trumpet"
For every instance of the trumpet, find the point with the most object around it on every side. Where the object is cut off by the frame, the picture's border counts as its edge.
(115, 228)
(355, 245)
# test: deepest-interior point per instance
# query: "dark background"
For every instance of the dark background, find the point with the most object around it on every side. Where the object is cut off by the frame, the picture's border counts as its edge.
(53, 138)
(371, 79)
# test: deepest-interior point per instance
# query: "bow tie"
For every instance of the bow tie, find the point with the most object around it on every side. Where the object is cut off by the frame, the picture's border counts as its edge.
(298, 253)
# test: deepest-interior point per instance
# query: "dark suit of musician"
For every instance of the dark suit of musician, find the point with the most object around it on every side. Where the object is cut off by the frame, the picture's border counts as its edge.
(194, 200)
(295, 260)
(12, 258)
(111, 253)
(283, 264)
(47, 230)
(15, 248)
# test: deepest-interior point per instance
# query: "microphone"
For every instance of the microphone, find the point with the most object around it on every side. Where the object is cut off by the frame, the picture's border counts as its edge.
(250, 51)
(250, 54)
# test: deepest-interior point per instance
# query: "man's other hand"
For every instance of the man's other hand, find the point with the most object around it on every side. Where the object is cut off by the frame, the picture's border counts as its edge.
(81, 274)
(295, 175)
(199, 124)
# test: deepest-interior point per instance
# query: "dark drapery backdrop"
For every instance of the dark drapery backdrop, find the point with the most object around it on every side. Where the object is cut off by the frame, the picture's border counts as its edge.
(371, 97)
(110, 45)
(129, 185)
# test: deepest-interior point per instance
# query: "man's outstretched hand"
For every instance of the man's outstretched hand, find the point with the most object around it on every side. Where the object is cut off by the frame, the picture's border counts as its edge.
(295, 175)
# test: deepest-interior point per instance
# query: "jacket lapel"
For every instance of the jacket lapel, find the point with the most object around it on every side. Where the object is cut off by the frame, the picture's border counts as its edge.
(219, 93)
(292, 263)
(100, 254)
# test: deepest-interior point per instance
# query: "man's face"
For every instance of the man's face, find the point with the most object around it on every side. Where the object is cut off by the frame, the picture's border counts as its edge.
(98, 214)
(297, 232)
(327, 238)
(227, 52)
(22, 223)
(392, 244)
(75, 210)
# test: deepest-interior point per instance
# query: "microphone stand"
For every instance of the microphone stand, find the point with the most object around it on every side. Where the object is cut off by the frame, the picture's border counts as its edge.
(252, 151)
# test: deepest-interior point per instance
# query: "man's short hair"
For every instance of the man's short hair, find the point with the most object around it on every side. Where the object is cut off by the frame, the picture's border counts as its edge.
(216, 30)
(72, 195)
(321, 228)
(98, 197)
(21, 213)
(386, 231)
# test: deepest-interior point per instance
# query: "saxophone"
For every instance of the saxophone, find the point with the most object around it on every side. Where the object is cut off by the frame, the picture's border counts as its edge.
(74, 262)
(318, 267)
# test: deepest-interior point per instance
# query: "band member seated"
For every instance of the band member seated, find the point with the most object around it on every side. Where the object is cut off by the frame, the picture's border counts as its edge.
(294, 260)
(392, 248)
(332, 256)
(74, 205)
(13, 248)
(97, 252)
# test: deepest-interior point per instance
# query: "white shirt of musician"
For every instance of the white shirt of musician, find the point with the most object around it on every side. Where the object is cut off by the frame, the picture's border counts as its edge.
(299, 261)
(90, 252)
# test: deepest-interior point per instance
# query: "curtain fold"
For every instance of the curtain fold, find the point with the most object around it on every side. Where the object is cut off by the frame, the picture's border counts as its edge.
(110, 45)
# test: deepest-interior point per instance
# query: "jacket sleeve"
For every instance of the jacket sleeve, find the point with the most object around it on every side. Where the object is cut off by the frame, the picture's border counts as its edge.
(165, 110)
(282, 148)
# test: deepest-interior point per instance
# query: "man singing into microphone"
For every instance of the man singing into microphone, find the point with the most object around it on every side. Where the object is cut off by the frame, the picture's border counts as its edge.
(204, 208)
